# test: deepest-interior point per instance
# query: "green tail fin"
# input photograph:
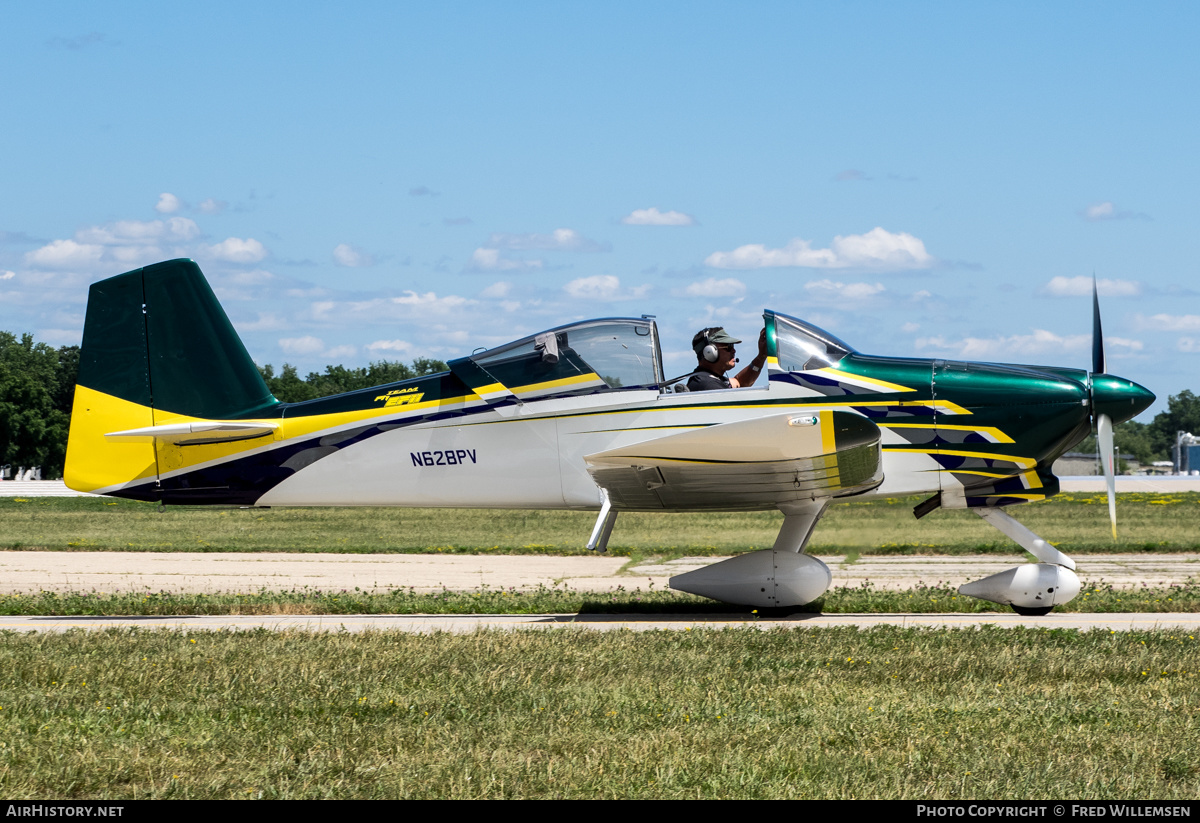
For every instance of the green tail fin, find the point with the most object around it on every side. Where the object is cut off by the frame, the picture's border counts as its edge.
(158, 337)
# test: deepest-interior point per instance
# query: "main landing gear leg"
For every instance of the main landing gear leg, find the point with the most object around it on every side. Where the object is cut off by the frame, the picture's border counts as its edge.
(799, 521)
(598, 542)
(777, 578)
(1032, 588)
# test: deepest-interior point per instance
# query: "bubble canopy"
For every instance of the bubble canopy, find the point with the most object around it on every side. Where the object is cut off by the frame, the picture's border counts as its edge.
(801, 346)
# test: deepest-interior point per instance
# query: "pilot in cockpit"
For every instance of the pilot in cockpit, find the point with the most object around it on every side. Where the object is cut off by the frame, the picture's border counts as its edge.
(715, 351)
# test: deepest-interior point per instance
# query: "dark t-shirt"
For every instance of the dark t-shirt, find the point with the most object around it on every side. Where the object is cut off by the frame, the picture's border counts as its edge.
(706, 381)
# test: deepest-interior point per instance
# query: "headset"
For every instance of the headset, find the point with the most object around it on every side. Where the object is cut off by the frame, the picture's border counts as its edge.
(709, 352)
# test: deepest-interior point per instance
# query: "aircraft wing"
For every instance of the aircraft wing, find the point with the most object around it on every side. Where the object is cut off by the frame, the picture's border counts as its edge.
(747, 464)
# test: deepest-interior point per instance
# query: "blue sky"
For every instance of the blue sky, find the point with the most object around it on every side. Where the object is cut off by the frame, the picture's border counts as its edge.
(389, 180)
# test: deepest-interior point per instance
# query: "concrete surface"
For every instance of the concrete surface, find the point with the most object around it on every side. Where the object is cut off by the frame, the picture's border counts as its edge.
(108, 572)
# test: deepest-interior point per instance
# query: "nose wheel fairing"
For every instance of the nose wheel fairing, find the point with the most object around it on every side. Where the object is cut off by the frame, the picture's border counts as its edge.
(1032, 588)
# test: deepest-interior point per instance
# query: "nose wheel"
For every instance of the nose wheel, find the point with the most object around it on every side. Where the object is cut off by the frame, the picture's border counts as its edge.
(1039, 611)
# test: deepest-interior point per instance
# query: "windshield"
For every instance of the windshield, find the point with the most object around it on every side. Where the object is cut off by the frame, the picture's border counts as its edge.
(801, 346)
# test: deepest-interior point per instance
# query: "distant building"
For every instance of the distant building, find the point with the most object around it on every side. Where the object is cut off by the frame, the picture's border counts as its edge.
(1076, 464)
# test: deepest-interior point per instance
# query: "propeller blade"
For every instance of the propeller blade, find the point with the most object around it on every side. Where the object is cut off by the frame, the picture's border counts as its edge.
(1104, 437)
(1097, 333)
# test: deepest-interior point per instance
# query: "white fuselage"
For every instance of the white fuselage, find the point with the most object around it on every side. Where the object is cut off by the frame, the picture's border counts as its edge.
(532, 455)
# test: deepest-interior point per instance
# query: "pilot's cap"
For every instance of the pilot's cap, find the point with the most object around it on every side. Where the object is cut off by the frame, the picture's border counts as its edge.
(715, 335)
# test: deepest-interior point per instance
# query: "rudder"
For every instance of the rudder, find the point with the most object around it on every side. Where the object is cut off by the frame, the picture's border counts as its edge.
(157, 348)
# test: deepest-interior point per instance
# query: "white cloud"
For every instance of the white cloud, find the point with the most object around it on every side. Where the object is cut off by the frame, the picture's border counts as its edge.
(877, 249)
(167, 203)
(396, 346)
(1125, 343)
(1022, 347)
(307, 345)
(712, 287)
(843, 291)
(255, 277)
(558, 240)
(127, 242)
(1168, 322)
(7, 275)
(264, 322)
(65, 254)
(923, 294)
(430, 301)
(488, 257)
(490, 260)
(909, 328)
(408, 306)
(1081, 286)
(126, 232)
(349, 256)
(497, 290)
(1189, 345)
(341, 352)
(211, 206)
(1016, 347)
(315, 291)
(237, 250)
(602, 287)
(653, 217)
(599, 287)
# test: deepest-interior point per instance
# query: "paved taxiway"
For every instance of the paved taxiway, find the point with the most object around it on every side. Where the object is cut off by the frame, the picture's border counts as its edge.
(108, 572)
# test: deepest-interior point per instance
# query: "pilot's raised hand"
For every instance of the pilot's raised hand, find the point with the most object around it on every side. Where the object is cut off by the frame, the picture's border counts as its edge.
(748, 375)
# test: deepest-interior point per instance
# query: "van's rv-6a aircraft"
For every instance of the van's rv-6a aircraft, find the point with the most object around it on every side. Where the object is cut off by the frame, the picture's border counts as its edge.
(169, 407)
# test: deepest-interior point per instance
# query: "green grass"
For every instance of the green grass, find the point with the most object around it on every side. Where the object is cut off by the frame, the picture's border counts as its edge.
(864, 599)
(884, 713)
(1074, 522)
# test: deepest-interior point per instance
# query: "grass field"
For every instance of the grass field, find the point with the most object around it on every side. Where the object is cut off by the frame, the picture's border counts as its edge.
(1074, 522)
(885, 713)
(829, 713)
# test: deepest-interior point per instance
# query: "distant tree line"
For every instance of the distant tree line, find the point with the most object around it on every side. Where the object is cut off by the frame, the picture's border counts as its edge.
(37, 388)
(289, 388)
(1147, 442)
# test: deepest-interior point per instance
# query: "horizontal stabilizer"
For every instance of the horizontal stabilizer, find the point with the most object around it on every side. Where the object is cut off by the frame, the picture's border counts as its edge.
(748, 464)
(201, 432)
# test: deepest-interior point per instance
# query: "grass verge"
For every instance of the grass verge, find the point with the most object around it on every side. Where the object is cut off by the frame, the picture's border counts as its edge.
(883, 713)
(1074, 522)
(863, 599)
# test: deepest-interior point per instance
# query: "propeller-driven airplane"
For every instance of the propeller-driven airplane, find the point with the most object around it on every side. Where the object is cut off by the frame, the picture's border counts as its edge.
(169, 407)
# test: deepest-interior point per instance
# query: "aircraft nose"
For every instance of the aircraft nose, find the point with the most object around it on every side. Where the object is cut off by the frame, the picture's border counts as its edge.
(1119, 398)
